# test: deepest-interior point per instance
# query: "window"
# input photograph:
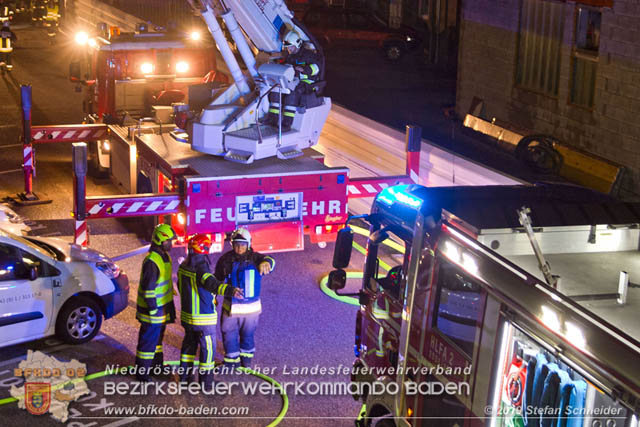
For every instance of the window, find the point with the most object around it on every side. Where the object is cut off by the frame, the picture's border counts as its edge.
(585, 56)
(538, 64)
(459, 306)
(15, 263)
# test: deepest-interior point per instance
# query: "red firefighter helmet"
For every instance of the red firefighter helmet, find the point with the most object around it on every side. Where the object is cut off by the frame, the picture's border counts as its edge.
(200, 243)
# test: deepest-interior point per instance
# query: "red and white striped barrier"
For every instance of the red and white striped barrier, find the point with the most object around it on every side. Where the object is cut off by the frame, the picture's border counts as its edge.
(28, 167)
(370, 187)
(68, 133)
(27, 152)
(128, 206)
(81, 237)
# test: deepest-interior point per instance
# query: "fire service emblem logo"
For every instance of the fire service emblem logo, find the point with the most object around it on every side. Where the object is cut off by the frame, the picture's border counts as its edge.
(37, 397)
(514, 389)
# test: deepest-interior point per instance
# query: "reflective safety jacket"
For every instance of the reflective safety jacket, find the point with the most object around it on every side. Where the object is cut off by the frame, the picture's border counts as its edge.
(155, 291)
(242, 272)
(197, 287)
(309, 61)
(7, 37)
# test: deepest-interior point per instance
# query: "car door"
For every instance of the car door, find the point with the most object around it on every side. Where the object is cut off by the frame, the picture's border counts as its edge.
(26, 304)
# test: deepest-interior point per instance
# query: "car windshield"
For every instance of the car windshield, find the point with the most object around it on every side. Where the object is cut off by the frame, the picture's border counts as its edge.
(52, 250)
(46, 252)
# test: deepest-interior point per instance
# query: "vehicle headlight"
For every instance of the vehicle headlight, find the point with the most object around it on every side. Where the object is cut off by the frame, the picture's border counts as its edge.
(106, 146)
(182, 67)
(409, 39)
(195, 35)
(93, 43)
(146, 68)
(109, 268)
(82, 38)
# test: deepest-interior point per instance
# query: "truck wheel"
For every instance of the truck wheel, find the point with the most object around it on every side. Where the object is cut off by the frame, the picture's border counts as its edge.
(79, 321)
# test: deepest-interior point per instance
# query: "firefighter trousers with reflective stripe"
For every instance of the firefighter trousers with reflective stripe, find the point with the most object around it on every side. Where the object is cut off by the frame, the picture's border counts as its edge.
(149, 352)
(238, 337)
(207, 343)
(291, 101)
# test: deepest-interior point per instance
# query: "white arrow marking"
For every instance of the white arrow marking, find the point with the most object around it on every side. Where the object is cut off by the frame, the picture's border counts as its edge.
(353, 189)
(134, 207)
(153, 206)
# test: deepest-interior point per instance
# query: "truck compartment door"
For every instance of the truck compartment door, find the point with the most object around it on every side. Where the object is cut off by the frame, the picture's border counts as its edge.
(275, 220)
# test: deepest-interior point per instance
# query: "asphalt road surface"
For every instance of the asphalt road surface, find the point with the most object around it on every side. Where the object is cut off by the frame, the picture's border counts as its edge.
(300, 327)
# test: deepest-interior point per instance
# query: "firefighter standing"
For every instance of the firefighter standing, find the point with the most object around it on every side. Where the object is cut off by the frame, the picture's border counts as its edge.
(7, 38)
(306, 62)
(155, 301)
(242, 268)
(198, 314)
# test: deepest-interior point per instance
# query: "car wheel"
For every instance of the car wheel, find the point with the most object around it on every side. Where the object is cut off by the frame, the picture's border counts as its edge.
(79, 321)
(393, 52)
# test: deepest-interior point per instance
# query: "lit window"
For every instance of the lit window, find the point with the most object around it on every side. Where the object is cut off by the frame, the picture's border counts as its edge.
(540, 39)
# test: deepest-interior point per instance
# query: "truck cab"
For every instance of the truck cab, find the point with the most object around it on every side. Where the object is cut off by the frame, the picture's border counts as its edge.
(135, 75)
(460, 329)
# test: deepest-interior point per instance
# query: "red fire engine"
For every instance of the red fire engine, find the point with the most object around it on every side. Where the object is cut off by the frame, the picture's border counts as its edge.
(461, 331)
(127, 76)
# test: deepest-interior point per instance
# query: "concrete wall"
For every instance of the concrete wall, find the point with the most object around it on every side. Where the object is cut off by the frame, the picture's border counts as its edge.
(487, 63)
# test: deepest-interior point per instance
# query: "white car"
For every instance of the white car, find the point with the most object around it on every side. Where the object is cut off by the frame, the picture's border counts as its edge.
(11, 221)
(49, 286)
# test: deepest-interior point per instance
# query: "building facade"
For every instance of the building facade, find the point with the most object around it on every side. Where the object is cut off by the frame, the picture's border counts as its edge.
(566, 69)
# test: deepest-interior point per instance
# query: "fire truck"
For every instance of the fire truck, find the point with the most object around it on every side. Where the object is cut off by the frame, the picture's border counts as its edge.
(511, 306)
(217, 167)
(129, 76)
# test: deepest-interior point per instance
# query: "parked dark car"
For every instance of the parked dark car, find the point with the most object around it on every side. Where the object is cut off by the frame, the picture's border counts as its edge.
(340, 27)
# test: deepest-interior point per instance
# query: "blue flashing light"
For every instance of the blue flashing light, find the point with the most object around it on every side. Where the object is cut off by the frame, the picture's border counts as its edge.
(382, 198)
(398, 194)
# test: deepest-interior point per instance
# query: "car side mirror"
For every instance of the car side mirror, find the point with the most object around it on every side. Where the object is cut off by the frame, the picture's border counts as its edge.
(33, 273)
(342, 251)
(75, 72)
(337, 280)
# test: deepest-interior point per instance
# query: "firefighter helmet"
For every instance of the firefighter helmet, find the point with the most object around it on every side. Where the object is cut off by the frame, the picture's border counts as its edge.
(292, 38)
(161, 233)
(241, 235)
(200, 244)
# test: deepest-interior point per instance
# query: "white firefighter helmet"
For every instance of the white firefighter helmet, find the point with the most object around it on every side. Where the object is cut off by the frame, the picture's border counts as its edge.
(241, 235)
(292, 38)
